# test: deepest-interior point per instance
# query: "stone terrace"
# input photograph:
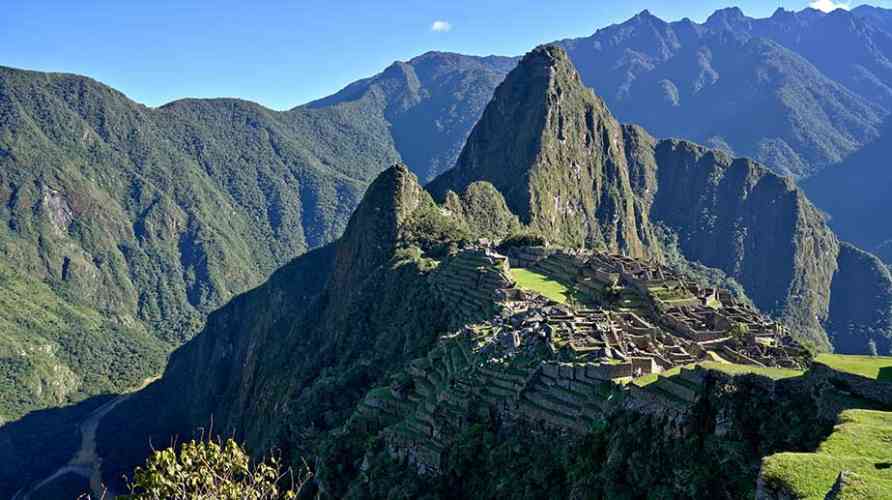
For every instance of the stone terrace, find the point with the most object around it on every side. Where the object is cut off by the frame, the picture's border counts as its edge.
(644, 310)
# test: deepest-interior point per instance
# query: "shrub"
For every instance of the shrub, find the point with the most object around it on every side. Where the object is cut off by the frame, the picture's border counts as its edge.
(526, 239)
(213, 469)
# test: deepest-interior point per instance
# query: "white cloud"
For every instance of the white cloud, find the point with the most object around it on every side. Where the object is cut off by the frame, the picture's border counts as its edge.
(828, 5)
(441, 26)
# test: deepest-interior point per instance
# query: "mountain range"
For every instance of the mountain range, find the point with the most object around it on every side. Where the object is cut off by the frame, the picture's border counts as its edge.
(113, 209)
(797, 91)
(305, 362)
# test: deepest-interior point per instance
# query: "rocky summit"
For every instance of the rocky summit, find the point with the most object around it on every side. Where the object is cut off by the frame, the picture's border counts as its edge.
(539, 321)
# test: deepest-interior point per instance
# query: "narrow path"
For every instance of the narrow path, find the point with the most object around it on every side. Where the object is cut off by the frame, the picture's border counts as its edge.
(85, 462)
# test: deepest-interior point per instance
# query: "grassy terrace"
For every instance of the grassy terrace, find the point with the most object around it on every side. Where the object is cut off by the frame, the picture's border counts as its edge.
(729, 368)
(860, 444)
(541, 284)
(873, 367)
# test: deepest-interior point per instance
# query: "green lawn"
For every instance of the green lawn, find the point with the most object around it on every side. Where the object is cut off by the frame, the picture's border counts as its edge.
(541, 284)
(873, 367)
(860, 443)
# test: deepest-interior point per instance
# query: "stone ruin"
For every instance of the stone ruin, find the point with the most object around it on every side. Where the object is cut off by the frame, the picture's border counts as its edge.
(526, 359)
(648, 317)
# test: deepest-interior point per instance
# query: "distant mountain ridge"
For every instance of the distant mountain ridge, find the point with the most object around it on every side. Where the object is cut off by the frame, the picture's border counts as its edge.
(431, 102)
(796, 91)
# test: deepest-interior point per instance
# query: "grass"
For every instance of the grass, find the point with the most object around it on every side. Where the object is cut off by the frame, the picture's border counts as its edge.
(860, 443)
(729, 368)
(872, 367)
(541, 284)
(650, 378)
(735, 369)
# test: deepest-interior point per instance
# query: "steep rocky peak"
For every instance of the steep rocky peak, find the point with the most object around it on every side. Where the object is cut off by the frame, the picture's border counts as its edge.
(557, 155)
(505, 144)
(373, 229)
(391, 197)
(646, 16)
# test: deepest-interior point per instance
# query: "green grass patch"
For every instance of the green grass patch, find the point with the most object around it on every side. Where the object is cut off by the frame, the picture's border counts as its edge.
(541, 284)
(650, 378)
(872, 367)
(729, 368)
(860, 443)
(735, 369)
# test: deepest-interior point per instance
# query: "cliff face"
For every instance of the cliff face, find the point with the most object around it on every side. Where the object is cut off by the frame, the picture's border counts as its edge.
(861, 304)
(759, 228)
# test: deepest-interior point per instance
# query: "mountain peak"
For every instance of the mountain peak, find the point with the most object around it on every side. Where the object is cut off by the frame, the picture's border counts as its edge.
(726, 17)
(549, 55)
(544, 140)
(373, 229)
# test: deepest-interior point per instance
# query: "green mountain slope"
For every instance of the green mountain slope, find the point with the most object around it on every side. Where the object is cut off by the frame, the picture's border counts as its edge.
(54, 351)
(155, 217)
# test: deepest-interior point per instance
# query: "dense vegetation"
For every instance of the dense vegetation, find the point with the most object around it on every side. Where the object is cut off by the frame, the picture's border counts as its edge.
(55, 351)
(155, 217)
(629, 455)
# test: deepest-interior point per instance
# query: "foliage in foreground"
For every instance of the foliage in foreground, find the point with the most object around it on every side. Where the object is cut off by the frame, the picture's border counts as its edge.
(213, 470)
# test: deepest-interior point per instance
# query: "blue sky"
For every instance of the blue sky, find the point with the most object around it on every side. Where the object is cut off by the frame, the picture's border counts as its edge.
(285, 53)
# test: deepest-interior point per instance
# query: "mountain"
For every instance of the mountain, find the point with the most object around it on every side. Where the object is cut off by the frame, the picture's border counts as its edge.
(575, 175)
(431, 103)
(561, 166)
(154, 217)
(796, 91)
(856, 193)
(116, 206)
(347, 340)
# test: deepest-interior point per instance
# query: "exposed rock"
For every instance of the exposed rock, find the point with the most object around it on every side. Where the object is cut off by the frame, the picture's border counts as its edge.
(561, 164)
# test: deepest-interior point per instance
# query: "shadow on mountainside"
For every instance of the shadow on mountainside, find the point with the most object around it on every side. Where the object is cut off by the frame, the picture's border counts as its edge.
(41, 442)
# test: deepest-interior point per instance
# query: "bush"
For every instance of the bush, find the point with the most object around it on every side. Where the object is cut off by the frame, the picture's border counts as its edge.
(213, 470)
(526, 239)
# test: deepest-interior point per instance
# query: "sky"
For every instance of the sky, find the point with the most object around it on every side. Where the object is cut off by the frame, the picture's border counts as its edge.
(285, 53)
